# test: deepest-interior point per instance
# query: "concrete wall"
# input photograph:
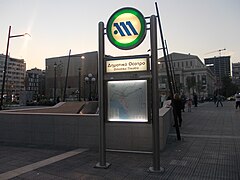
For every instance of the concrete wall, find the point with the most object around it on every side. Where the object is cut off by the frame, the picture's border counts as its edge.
(138, 136)
(79, 131)
(49, 129)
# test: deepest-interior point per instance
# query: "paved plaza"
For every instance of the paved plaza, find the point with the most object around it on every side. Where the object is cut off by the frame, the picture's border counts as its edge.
(210, 149)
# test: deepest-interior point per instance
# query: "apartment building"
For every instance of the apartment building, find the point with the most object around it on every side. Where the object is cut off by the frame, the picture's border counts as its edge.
(15, 77)
(35, 82)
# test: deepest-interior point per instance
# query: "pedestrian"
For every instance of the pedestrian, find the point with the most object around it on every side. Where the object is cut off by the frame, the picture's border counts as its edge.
(183, 100)
(214, 99)
(177, 107)
(58, 99)
(195, 99)
(219, 100)
(189, 104)
(237, 99)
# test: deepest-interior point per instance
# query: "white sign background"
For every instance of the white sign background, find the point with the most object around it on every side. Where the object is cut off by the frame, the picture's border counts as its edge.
(128, 65)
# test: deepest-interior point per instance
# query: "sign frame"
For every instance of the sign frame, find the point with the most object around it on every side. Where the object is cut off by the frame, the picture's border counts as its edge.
(154, 95)
(145, 56)
(148, 100)
(141, 35)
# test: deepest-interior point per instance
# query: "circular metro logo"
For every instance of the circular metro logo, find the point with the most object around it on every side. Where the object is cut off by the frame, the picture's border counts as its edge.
(126, 28)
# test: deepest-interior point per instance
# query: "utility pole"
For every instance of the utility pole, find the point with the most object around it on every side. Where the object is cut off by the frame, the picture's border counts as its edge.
(66, 78)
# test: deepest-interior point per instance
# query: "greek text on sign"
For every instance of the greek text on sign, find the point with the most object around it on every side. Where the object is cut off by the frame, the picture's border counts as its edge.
(128, 65)
(126, 28)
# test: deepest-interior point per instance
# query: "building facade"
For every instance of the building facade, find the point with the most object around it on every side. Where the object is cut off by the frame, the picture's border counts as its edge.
(220, 66)
(14, 79)
(236, 73)
(191, 75)
(80, 66)
(35, 82)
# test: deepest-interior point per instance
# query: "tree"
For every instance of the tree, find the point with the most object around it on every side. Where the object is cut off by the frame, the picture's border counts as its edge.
(228, 88)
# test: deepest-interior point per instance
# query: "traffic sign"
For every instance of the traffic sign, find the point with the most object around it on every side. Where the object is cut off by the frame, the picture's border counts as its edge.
(126, 28)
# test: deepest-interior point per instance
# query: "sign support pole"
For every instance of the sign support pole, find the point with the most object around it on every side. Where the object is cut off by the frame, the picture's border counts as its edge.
(167, 68)
(155, 97)
(102, 112)
(171, 69)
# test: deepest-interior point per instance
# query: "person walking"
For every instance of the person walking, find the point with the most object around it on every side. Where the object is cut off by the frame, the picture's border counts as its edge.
(237, 100)
(177, 107)
(219, 100)
(195, 99)
(183, 100)
(215, 99)
(189, 104)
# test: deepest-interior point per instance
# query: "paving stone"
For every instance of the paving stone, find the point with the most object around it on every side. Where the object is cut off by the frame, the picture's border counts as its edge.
(210, 149)
(205, 170)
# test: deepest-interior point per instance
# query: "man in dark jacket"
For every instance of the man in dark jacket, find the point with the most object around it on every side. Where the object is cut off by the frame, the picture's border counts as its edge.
(195, 100)
(177, 107)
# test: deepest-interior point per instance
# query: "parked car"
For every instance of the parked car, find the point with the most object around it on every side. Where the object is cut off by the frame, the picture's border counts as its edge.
(231, 98)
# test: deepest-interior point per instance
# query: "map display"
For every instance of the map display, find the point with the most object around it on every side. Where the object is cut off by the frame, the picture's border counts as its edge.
(127, 101)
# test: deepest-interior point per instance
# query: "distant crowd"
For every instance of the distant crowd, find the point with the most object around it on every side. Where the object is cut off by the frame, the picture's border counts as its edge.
(180, 102)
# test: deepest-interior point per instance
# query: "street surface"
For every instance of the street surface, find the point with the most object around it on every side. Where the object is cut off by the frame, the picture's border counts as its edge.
(210, 149)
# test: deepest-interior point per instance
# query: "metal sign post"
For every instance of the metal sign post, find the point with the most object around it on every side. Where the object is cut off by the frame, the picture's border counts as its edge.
(126, 29)
(155, 100)
(101, 101)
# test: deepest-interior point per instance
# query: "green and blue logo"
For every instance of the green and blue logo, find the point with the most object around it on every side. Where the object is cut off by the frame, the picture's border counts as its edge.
(126, 28)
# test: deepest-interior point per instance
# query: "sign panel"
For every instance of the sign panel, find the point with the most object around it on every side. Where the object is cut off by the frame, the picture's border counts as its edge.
(127, 101)
(126, 65)
(126, 28)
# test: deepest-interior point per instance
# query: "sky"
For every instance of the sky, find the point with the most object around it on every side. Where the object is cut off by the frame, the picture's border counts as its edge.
(199, 27)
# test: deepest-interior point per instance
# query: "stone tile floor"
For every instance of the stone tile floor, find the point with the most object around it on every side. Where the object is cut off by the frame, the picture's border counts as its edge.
(210, 149)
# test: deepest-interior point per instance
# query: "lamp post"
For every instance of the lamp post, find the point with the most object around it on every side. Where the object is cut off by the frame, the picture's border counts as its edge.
(55, 82)
(5, 65)
(89, 79)
(79, 84)
(66, 78)
(79, 79)
(193, 82)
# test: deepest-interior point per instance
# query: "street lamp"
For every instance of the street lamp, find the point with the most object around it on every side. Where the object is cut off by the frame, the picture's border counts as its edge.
(79, 84)
(66, 78)
(55, 82)
(5, 65)
(79, 79)
(89, 79)
(193, 82)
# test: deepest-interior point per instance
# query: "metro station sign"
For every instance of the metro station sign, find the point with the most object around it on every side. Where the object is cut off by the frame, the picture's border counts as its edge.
(126, 65)
(126, 28)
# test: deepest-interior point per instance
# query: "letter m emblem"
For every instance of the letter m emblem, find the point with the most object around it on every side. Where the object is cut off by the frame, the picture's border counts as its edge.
(125, 28)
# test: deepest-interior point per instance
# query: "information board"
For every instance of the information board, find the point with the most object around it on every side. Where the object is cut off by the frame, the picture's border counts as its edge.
(127, 101)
